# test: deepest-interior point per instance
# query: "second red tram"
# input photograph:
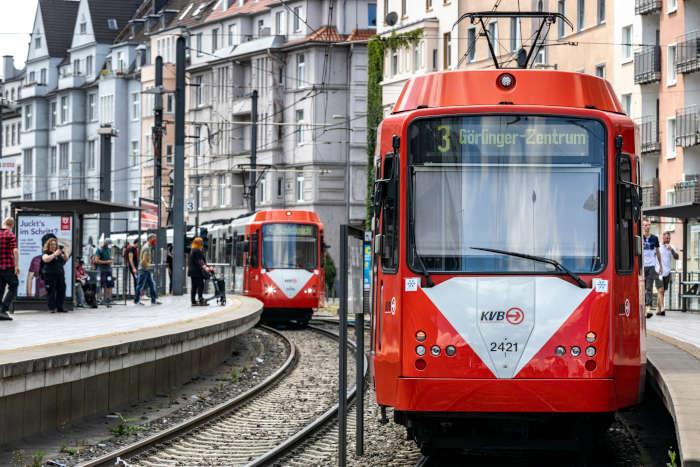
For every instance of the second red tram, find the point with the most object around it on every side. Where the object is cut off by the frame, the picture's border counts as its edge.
(506, 281)
(281, 254)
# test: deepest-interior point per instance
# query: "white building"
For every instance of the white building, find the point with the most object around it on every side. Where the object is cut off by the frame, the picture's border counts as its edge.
(11, 161)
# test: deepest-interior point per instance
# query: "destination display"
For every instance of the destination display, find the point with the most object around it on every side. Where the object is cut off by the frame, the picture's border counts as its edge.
(461, 138)
(287, 230)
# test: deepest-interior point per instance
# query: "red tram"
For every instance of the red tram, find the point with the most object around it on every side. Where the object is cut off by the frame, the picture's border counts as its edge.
(507, 255)
(281, 254)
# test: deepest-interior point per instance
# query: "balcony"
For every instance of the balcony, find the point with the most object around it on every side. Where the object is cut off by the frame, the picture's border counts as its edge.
(687, 192)
(651, 195)
(647, 64)
(688, 53)
(645, 7)
(649, 134)
(34, 90)
(688, 126)
(70, 80)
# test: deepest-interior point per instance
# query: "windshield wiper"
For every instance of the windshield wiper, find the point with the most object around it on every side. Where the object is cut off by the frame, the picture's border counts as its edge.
(428, 279)
(557, 265)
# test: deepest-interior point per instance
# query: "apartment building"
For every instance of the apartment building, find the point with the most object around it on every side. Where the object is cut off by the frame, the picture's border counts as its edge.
(11, 121)
(308, 62)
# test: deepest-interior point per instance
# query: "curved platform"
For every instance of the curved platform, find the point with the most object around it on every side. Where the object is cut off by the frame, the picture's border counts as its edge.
(56, 369)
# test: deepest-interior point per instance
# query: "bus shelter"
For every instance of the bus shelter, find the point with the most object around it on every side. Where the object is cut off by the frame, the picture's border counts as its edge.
(689, 285)
(64, 219)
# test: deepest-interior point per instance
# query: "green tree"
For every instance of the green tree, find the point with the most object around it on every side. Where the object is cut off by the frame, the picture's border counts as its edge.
(329, 272)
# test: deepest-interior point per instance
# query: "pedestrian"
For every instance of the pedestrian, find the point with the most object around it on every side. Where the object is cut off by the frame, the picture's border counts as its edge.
(80, 281)
(103, 262)
(54, 276)
(199, 271)
(668, 253)
(9, 267)
(145, 266)
(652, 265)
(169, 265)
(131, 259)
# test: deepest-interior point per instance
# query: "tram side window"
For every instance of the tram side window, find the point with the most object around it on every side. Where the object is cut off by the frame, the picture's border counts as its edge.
(239, 250)
(624, 217)
(253, 257)
(390, 217)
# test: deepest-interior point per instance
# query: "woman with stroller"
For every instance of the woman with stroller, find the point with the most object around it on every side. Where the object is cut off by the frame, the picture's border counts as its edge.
(53, 260)
(199, 271)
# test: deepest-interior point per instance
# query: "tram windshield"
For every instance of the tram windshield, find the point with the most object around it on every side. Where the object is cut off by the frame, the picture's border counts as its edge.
(289, 246)
(519, 183)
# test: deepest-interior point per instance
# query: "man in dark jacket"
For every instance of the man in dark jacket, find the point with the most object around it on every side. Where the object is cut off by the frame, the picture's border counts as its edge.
(9, 267)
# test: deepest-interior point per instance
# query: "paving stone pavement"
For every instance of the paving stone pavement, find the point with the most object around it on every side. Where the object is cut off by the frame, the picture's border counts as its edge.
(32, 328)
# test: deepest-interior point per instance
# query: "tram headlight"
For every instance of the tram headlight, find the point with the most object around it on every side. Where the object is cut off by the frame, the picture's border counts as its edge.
(560, 351)
(270, 290)
(575, 351)
(435, 351)
(590, 351)
(420, 350)
(506, 81)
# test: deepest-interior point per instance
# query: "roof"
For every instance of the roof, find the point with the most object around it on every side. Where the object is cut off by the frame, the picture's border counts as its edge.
(256, 45)
(58, 18)
(248, 8)
(146, 9)
(326, 34)
(102, 11)
(361, 35)
(77, 206)
(677, 211)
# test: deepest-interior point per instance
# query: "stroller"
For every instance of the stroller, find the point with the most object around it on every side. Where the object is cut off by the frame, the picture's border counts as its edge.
(219, 290)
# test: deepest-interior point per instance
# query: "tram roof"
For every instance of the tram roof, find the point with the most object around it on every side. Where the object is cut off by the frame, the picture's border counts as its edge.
(532, 87)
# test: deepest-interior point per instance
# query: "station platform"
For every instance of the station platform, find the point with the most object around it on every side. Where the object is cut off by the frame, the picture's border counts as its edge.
(56, 369)
(673, 364)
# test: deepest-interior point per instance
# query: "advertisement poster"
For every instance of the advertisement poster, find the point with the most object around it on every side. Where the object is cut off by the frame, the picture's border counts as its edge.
(148, 217)
(33, 230)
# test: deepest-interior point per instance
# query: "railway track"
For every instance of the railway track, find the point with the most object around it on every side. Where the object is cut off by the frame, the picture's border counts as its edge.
(256, 427)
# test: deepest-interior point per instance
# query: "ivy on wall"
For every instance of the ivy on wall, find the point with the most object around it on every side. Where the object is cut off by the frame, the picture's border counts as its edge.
(376, 50)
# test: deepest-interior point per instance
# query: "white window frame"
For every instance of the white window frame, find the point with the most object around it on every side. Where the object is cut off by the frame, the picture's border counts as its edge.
(135, 106)
(300, 126)
(301, 70)
(471, 51)
(627, 97)
(627, 55)
(222, 190)
(600, 66)
(64, 109)
(297, 18)
(671, 75)
(671, 138)
(671, 6)
(299, 184)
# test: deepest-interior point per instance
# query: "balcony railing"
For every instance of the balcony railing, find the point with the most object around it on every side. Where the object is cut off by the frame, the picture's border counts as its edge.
(649, 133)
(687, 192)
(644, 7)
(647, 64)
(688, 53)
(688, 126)
(651, 195)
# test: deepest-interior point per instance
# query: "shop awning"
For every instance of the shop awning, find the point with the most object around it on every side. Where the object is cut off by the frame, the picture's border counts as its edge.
(77, 206)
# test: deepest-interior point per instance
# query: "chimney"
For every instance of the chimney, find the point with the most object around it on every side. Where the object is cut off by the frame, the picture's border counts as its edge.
(8, 67)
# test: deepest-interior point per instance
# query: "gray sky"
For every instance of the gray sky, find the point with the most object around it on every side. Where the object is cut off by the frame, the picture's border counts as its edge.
(16, 23)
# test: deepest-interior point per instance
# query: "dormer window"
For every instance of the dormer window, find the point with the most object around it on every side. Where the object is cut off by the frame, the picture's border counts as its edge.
(37, 42)
(83, 28)
(112, 24)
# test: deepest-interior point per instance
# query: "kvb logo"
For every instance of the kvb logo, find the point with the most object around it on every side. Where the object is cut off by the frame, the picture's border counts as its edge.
(513, 315)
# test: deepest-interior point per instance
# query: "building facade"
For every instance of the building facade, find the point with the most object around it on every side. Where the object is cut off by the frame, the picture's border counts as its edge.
(11, 121)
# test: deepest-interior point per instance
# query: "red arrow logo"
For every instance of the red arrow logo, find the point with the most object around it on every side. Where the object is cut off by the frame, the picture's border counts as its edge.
(515, 315)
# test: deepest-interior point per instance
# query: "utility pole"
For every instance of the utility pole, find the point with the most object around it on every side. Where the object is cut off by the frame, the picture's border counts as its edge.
(158, 131)
(253, 150)
(106, 133)
(178, 204)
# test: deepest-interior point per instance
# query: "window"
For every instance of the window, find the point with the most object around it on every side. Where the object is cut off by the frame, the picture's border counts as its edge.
(672, 6)
(601, 11)
(42, 76)
(37, 41)
(91, 193)
(222, 191)
(447, 50)
(52, 118)
(581, 12)
(14, 134)
(76, 67)
(169, 103)
(199, 44)
(671, 65)
(279, 18)
(561, 9)
(600, 70)
(52, 160)
(301, 70)
(90, 156)
(198, 90)
(418, 57)
(627, 42)
(63, 156)
(435, 59)
(135, 157)
(28, 161)
(107, 109)
(88, 65)
(169, 154)
(299, 118)
(493, 35)
(389, 215)
(64, 109)
(372, 15)
(428, 5)
(626, 100)
(297, 19)
(670, 138)
(394, 62)
(27, 117)
(300, 186)
(112, 24)
(280, 182)
(261, 191)
(135, 111)
(83, 27)
(215, 39)
(515, 40)
(52, 195)
(261, 26)
(63, 194)
(471, 44)
(403, 8)
(232, 35)
(91, 108)
(198, 140)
